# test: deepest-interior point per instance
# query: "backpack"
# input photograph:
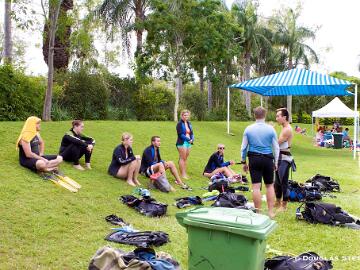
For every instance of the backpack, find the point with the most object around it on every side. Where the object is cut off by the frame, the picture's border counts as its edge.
(161, 183)
(188, 201)
(298, 192)
(324, 213)
(139, 239)
(230, 200)
(146, 206)
(305, 261)
(221, 186)
(324, 183)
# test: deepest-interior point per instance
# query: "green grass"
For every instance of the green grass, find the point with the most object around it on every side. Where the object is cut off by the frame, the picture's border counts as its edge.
(46, 227)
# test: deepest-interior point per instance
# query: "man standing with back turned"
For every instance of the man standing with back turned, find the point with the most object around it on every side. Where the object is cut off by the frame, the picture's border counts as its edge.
(261, 146)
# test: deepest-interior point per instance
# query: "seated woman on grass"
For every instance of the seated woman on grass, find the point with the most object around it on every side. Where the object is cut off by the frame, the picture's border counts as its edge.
(31, 148)
(76, 144)
(124, 164)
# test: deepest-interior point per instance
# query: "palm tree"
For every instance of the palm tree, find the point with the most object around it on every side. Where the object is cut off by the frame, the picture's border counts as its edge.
(291, 36)
(252, 38)
(62, 38)
(7, 33)
(126, 16)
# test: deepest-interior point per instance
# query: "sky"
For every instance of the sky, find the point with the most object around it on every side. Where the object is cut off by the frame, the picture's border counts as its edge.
(337, 39)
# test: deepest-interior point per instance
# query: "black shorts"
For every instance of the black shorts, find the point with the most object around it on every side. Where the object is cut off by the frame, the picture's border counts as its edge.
(149, 171)
(30, 163)
(261, 167)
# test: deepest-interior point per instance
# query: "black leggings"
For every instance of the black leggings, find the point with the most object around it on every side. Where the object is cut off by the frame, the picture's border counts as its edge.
(74, 152)
(282, 180)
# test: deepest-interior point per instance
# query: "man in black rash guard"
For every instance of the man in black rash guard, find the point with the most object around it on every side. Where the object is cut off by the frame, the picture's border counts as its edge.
(75, 144)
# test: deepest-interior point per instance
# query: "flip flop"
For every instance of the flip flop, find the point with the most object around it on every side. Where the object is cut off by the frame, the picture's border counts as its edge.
(183, 186)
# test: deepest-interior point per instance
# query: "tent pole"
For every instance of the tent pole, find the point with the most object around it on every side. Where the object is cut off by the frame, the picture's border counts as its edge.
(355, 122)
(228, 110)
(261, 101)
(312, 125)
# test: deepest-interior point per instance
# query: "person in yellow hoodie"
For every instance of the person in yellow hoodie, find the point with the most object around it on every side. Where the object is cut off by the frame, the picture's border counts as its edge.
(31, 148)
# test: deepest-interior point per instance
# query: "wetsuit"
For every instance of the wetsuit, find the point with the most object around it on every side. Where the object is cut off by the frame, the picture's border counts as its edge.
(30, 163)
(119, 158)
(260, 144)
(215, 161)
(185, 134)
(282, 174)
(150, 157)
(73, 147)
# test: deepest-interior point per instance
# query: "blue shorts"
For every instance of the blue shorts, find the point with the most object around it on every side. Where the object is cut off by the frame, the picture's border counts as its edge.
(186, 144)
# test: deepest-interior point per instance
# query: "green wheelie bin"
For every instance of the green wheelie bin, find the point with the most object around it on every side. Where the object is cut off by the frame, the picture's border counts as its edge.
(338, 140)
(225, 238)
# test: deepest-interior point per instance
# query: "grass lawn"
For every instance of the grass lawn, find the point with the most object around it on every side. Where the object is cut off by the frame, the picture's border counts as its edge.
(46, 227)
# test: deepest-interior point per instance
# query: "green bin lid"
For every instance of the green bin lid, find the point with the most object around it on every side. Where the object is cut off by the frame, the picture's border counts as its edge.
(238, 221)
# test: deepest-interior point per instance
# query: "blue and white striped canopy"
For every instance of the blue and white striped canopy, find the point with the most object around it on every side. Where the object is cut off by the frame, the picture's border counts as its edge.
(296, 82)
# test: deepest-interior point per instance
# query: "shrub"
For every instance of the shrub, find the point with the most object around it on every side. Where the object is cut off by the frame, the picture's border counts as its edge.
(122, 92)
(154, 102)
(195, 101)
(20, 96)
(85, 95)
(217, 114)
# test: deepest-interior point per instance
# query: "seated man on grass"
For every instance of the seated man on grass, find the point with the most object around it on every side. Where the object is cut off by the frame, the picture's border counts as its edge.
(216, 165)
(153, 166)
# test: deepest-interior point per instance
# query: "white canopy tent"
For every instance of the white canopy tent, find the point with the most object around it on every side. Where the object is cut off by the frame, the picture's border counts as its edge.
(337, 109)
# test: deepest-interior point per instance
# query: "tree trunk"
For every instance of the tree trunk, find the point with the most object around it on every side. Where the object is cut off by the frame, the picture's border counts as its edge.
(139, 18)
(139, 34)
(54, 15)
(7, 33)
(247, 77)
(178, 86)
(62, 43)
(289, 98)
(210, 99)
(201, 80)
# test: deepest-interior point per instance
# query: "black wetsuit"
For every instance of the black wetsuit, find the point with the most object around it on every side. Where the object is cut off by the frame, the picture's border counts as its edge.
(30, 163)
(119, 159)
(151, 156)
(215, 161)
(73, 147)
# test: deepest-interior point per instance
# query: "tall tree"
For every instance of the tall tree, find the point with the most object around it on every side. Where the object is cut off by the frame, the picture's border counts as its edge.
(213, 27)
(252, 38)
(54, 10)
(7, 33)
(168, 41)
(126, 16)
(292, 36)
(62, 37)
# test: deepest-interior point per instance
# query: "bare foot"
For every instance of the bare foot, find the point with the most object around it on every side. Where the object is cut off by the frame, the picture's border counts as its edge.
(79, 167)
(88, 166)
(186, 177)
(137, 182)
(277, 204)
(271, 214)
(131, 183)
(51, 169)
